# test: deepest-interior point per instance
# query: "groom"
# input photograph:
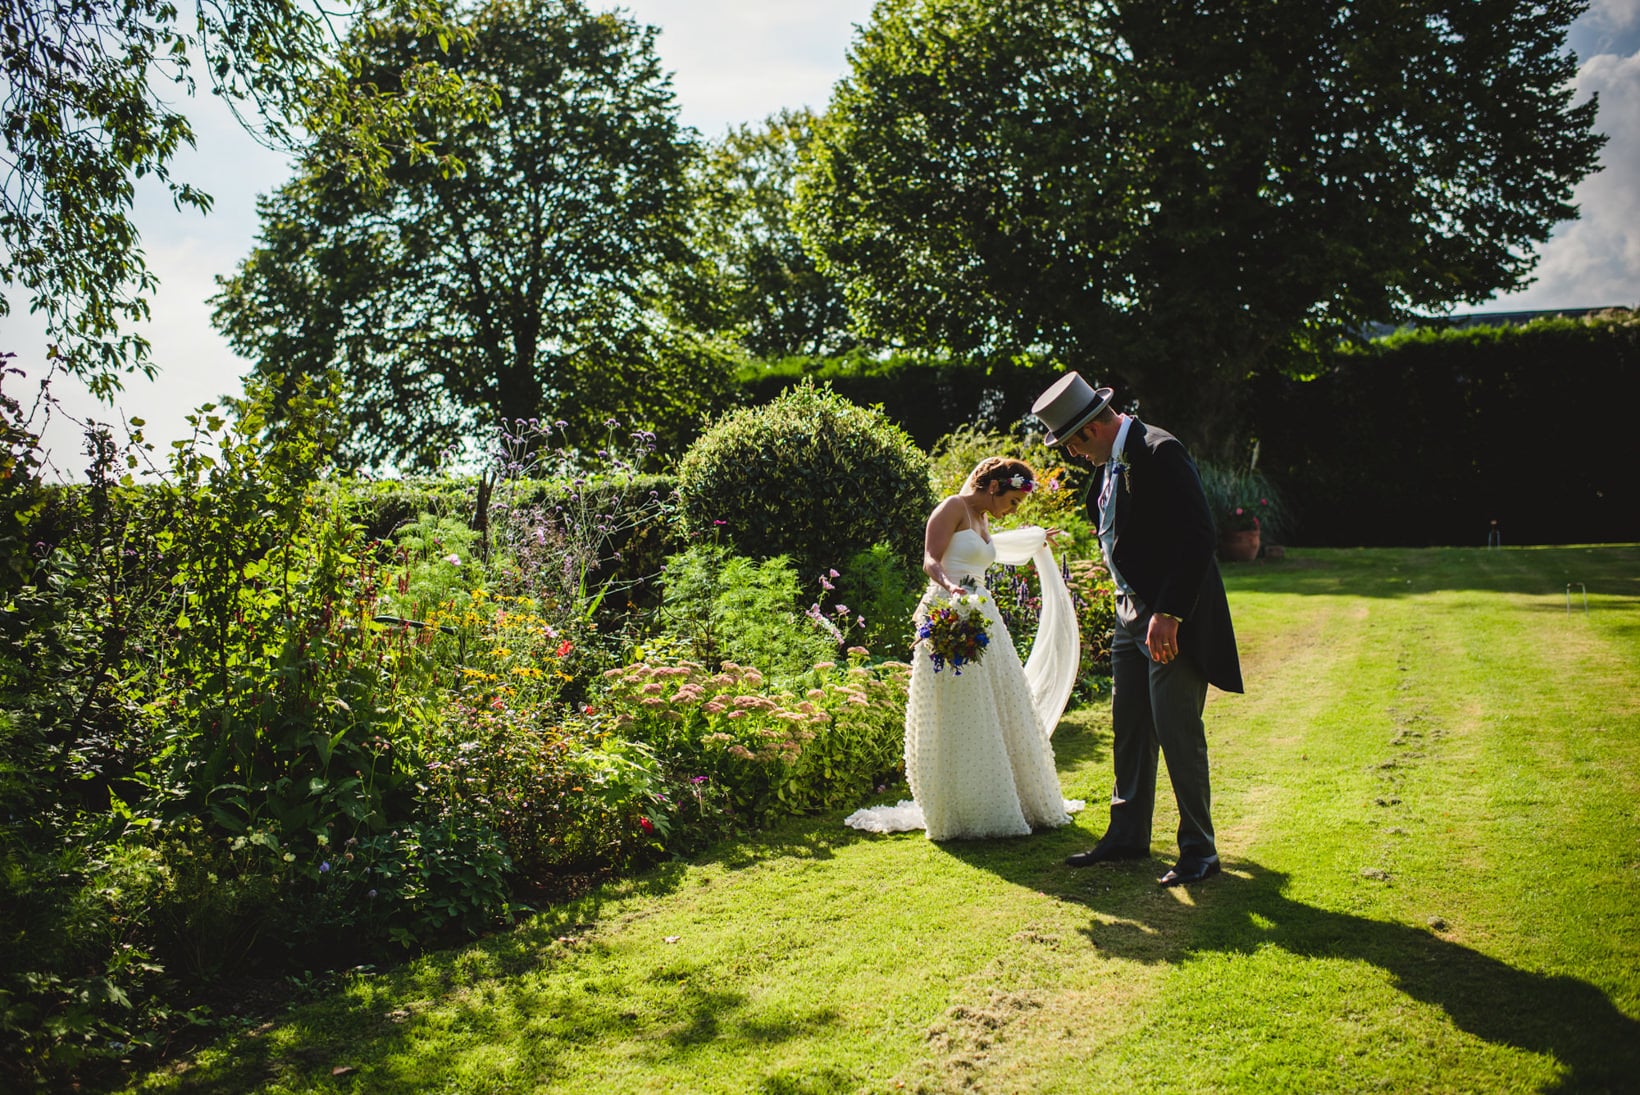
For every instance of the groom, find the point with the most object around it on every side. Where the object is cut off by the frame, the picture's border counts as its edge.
(1173, 635)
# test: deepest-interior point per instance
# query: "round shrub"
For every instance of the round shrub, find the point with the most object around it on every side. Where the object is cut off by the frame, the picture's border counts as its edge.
(808, 475)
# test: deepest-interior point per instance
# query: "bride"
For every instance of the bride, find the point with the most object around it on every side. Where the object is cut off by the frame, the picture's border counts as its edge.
(976, 744)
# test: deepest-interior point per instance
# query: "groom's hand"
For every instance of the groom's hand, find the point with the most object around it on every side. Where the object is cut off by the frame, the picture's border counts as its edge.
(1163, 638)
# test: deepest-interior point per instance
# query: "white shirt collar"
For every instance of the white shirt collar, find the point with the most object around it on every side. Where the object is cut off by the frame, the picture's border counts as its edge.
(1121, 439)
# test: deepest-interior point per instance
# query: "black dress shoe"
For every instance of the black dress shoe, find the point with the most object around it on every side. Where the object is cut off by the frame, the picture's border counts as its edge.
(1106, 853)
(1190, 870)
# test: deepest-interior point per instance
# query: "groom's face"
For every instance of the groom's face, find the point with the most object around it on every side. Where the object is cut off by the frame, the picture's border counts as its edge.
(1091, 442)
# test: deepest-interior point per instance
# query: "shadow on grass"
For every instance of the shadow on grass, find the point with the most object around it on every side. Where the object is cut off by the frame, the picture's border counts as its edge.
(408, 1028)
(1247, 909)
(1605, 570)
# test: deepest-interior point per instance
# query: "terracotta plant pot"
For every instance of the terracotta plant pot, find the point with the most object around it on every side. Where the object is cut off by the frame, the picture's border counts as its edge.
(1239, 547)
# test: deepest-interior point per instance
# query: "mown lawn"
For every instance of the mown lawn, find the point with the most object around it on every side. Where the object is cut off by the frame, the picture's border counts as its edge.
(1428, 805)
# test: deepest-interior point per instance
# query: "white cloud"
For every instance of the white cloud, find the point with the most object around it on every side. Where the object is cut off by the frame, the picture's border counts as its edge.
(1619, 14)
(1609, 26)
(735, 61)
(1595, 260)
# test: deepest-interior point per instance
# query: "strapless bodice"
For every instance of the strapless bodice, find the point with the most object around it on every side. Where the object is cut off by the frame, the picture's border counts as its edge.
(968, 555)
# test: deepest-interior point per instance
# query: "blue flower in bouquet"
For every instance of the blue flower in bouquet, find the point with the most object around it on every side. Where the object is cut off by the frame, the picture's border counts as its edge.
(955, 633)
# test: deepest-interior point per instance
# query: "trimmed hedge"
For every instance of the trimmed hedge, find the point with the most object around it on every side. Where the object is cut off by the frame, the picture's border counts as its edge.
(1424, 437)
(642, 550)
(1428, 437)
(809, 475)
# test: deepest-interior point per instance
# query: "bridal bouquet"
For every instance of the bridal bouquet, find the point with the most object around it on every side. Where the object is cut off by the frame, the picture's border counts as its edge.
(955, 633)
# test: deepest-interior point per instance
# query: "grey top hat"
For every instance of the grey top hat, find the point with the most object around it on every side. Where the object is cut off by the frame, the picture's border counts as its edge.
(1067, 406)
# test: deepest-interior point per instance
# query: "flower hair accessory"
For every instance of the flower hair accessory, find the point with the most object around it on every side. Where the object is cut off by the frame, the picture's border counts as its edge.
(1019, 482)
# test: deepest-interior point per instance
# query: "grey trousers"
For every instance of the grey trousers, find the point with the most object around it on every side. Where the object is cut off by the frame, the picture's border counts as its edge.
(1155, 708)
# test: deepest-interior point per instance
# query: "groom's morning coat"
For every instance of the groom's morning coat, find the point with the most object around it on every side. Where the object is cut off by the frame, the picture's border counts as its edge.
(1164, 548)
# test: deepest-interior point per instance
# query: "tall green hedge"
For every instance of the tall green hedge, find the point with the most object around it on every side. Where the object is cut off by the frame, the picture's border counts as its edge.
(1423, 437)
(637, 551)
(1427, 437)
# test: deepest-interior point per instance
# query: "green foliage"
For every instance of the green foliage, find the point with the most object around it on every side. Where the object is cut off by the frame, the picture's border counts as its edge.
(203, 708)
(89, 109)
(718, 606)
(810, 476)
(1245, 498)
(1431, 436)
(523, 287)
(761, 286)
(1173, 196)
(435, 561)
(745, 749)
(875, 586)
(280, 703)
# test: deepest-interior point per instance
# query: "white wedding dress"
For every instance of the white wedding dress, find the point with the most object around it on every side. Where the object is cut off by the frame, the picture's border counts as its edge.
(977, 753)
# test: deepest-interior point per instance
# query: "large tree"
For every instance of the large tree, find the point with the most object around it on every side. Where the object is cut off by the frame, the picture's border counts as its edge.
(1174, 194)
(90, 106)
(761, 287)
(531, 284)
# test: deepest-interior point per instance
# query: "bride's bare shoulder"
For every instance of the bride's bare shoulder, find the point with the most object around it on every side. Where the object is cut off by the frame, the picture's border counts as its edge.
(951, 509)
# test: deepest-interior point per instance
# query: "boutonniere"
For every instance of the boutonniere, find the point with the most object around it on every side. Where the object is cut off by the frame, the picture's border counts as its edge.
(1120, 466)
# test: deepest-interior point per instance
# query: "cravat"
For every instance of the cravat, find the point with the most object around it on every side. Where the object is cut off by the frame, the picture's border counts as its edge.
(1107, 526)
(1107, 494)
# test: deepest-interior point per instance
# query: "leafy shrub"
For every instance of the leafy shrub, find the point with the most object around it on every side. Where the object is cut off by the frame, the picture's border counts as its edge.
(743, 749)
(1241, 498)
(718, 606)
(621, 805)
(877, 589)
(810, 476)
(565, 796)
(434, 560)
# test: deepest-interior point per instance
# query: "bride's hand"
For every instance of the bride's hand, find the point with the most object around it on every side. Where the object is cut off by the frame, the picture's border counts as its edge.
(1054, 534)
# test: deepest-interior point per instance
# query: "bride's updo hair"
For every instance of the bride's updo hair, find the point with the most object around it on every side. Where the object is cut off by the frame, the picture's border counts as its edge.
(1003, 471)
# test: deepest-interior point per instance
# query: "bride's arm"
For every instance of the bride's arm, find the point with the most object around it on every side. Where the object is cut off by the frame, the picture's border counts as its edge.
(942, 525)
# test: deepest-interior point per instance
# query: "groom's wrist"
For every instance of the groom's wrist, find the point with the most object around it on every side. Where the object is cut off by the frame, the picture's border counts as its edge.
(1170, 616)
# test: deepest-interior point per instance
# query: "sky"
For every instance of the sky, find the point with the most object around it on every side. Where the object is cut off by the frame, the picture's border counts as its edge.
(734, 62)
